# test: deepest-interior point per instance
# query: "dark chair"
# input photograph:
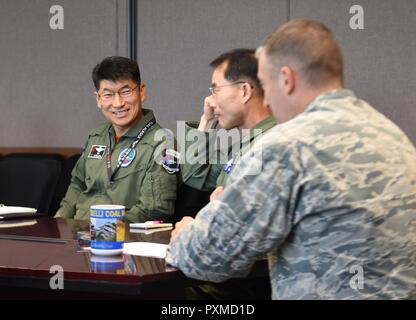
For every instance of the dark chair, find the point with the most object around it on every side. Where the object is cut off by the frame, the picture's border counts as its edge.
(189, 201)
(63, 182)
(29, 180)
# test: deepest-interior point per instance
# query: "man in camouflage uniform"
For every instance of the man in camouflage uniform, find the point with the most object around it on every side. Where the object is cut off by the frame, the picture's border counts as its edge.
(334, 207)
(118, 165)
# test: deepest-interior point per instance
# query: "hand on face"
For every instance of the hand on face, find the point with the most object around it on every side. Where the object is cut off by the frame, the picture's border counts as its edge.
(208, 119)
(180, 225)
(209, 105)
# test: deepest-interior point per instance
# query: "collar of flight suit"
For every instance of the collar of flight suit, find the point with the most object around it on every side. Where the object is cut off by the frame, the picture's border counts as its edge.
(136, 128)
(258, 129)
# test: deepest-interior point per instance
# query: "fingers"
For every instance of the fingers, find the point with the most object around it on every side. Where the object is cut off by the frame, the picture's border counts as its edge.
(216, 193)
(180, 225)
(209, 105)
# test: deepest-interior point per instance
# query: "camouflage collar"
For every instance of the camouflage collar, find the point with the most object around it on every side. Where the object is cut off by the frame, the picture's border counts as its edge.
(334, 94)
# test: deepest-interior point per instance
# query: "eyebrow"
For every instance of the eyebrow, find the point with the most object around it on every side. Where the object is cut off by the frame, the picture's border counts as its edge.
(123, 87)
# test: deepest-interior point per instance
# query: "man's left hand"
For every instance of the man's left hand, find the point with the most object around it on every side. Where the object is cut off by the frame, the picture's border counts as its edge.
(180, 225)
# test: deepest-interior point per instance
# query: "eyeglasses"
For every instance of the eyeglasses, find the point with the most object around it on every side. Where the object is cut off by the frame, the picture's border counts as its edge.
(123, 93)
(214, 89)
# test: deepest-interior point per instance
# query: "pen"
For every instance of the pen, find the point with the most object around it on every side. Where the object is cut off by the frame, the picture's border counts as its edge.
(154, 222)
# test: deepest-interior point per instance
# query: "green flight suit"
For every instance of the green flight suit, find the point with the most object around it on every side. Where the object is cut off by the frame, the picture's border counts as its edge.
(141, 184)
(205, 171)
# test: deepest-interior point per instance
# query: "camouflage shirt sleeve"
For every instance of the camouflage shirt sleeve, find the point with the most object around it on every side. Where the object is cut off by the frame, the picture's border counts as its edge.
(245, 222)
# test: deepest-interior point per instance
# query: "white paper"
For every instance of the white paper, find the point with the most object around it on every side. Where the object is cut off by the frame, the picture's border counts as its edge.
(150, 225)
(149, 231)
(9, 224)
(146, 249)
(9, 210)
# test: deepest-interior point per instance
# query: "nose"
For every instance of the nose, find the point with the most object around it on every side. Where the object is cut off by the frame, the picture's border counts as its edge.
(118, 101)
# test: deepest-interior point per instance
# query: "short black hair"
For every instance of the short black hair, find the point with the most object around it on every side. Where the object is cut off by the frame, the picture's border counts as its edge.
(241, 65)
(116, 68)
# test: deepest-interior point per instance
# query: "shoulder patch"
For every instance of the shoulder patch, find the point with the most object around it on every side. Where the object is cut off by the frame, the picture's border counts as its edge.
(171, 161)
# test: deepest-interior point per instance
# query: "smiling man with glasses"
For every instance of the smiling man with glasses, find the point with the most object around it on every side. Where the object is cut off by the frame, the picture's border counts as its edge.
(117, 165)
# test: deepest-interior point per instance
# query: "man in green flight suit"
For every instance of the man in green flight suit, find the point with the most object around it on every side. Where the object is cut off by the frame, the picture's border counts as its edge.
(236, 103)
(121, 163)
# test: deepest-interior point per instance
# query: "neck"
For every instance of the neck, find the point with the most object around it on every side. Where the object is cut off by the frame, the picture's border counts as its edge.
(318, 92)
(256, 113)
(122, 130)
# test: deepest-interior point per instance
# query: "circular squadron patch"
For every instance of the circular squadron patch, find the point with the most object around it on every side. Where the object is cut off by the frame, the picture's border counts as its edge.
(129, 159)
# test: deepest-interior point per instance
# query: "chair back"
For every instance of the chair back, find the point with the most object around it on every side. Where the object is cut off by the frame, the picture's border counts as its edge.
(29, 180)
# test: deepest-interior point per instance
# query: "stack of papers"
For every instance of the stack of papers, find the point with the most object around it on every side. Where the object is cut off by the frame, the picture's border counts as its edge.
(149, 231)
(150, 225)
(14, 224)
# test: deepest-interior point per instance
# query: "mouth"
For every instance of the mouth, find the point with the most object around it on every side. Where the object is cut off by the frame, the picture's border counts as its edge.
(121, 113)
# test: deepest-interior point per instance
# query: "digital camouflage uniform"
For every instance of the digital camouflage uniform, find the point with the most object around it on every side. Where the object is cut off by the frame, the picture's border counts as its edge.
(207, 170)
(334, 208)
(142, 184)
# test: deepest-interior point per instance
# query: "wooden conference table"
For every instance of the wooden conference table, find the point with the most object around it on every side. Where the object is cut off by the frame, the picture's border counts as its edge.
(25, 265)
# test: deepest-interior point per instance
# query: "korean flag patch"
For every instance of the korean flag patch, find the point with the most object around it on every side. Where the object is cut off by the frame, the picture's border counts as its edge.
(97, 151)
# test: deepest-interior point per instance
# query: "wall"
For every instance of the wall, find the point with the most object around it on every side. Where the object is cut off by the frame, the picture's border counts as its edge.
(45, 79)
(380, 60)
(178, 39)
(46, 91)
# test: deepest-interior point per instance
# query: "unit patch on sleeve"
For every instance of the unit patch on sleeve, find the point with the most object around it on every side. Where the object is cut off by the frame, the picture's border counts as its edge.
(170, 161)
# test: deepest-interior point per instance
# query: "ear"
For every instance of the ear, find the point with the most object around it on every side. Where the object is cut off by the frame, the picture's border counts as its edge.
(247, 92)
(97, 100)
(143, 92)
(287, 80)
